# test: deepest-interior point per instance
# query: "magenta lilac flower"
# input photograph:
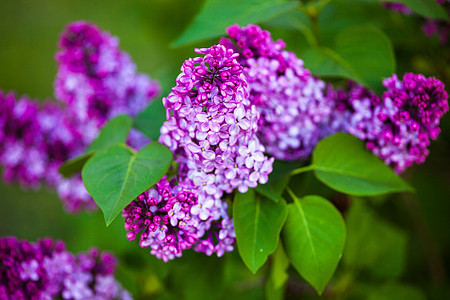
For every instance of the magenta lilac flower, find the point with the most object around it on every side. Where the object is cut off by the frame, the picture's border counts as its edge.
(96, 79)
(45, 270)
(21, 147)
(290, 100)
(211, 125)
(173, 217)
(398, 126)
(95, 82)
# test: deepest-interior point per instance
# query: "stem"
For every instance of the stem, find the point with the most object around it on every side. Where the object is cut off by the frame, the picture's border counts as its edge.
(312, 11)
(314, 19)
(291, 193)
(302, 170)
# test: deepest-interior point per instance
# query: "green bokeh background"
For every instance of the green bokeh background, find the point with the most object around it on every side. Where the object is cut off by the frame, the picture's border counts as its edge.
(29, 32)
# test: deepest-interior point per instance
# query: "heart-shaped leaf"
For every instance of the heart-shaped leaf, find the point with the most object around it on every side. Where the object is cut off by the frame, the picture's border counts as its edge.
(257, 223)
(313, 237)
(114, 132)
(116, 175)
(343, 163)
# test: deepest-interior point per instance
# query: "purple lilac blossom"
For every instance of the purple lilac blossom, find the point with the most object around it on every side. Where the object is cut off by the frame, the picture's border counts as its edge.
(211, 125)
(431, 27)
(398, 126)
(172, 217)
(21, 148)
(45, 270)
(290, 100)
(211, 129)
(95, 82)
(96, 79)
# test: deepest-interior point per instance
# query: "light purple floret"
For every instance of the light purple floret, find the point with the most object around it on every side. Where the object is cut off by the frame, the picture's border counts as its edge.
(45, 270)
(290, 100)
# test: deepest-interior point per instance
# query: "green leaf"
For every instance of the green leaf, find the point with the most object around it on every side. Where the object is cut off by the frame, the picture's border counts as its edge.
(74, 166)
(257, 223)
(282, 168)
(116, 175)
(273, 189)
(114, 132)
(374, 61)
(217, 15)
(278, 275)
(326, 62)
(368, 65)
(150, 120)
(342, 162)
(427, 8)
(373, 244)
(396, 291)
(313, 237)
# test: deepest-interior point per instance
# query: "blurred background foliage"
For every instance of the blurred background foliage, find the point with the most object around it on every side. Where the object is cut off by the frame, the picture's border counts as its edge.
(398, 246)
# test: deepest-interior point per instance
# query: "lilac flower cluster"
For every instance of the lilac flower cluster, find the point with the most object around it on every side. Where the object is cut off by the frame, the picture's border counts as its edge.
(95, 81)
(211, 128)
(290, 100)
(45, 270)
(398, 126)
(211, 125)
(440, 28)
(173, 217)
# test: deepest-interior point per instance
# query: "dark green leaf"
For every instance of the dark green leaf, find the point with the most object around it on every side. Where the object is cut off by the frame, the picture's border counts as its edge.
(117, 175)
(217, 15)
(114, 132)
(308, 184)
(257, 222)
(313, 237)
(74, 166)
(396, 291)
(150, 120)
(369, 51)
(326, 62)
(427, 8)
(373, 244)
(278, 274)
(342, 162)
(361, 53)
(282, 168)
(273, 189)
